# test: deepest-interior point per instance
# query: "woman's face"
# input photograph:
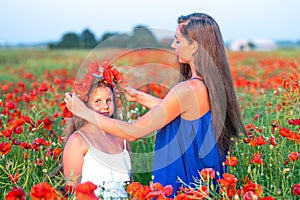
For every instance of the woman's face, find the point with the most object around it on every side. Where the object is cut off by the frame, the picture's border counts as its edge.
(101, 101)
(182, 48)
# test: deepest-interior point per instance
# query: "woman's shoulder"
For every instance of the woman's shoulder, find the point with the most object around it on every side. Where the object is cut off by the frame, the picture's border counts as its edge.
(189, 87)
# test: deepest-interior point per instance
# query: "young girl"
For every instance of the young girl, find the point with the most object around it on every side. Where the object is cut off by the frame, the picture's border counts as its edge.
(91, 154)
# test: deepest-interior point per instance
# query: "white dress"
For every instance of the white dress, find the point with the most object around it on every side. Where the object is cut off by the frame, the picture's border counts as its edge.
(107, 171)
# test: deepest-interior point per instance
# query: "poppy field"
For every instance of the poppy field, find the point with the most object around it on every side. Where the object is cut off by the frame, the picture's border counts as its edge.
(265, 164)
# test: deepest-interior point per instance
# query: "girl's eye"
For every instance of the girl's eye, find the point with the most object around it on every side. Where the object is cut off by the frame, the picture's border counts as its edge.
(108, 100)
(97, 101)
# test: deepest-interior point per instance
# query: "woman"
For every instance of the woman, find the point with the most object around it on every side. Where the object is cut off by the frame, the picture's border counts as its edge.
(91, 154)
(199, 116)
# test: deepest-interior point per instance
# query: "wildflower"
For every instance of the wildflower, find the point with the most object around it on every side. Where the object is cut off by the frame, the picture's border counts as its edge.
(159, 191)
(258, 141)
(190, 193)
(133, 187)
(16, 193)
(267, 198)
(207, 173)
(65, 112)
(254, 187)
(293, 136)
(5, 148)
(85, 191)
(48, 123)
(257, 159)
(14, 177)
(250, 196)
(25, 145)
(296, 189)
(227, 184)
(294, 121)
(231, 161)
(43, 191)
(272, 141)
(293, 156)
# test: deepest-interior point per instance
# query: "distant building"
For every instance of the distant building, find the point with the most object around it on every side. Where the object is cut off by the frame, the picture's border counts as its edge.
(256, 44)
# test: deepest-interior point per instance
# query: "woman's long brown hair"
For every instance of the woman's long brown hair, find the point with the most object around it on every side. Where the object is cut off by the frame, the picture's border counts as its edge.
(212, 65)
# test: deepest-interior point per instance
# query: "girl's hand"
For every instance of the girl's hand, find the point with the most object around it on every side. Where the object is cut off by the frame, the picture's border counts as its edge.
(131, 93)
(75, 105)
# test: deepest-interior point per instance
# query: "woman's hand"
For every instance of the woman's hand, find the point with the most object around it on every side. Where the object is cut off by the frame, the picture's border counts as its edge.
(75, 105)
(131, 93)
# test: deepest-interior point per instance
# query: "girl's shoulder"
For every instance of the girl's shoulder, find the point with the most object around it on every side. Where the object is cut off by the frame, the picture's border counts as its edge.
(78, 139)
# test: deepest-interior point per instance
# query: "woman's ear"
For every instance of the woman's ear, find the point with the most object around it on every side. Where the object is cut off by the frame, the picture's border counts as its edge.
(195, 46)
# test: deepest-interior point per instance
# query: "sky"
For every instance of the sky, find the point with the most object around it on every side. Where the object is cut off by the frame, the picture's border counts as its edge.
(36, 21)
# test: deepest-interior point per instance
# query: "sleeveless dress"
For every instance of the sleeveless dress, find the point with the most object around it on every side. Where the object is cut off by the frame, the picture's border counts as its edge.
(183, 148)
(109, 171)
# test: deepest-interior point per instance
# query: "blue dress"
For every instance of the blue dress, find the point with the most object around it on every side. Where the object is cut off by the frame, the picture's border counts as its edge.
(183, 148)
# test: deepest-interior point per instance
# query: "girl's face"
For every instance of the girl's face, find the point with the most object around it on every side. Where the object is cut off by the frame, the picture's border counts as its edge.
(101, 101)
(182, 48)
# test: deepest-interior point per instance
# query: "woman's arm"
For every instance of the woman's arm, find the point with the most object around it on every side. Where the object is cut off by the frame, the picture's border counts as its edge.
(143, 98)
(160, 115)
(73, 160)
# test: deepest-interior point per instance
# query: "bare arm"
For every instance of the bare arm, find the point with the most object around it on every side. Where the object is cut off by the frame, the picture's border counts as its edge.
(143, 98)
(73, 160)
(160, 115)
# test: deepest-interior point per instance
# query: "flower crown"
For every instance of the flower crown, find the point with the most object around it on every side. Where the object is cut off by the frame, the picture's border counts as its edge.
(110, 75)
(81, 88)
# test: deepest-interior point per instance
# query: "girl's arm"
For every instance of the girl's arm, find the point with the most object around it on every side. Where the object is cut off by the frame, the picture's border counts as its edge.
(143, 98)
(169, 108)
(73, 160)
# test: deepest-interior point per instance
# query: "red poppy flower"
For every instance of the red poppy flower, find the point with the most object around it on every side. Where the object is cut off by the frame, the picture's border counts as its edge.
(293, 136)
(10, 105)
(57, 152)
(227, 184)
(43, 191)
(296, 189)
(108, 74)
(48, 123)
(273, 141)
(231, 161)
(117, 75)
(257, 159)
(81, 88)
(14, 178)
(190, 193)
(182, 197)
(25, 145)
(294, 121)
(85, 191)
(134, 187)
(65, 111)
(293, 156)
(5, 148)
(254, 187)
(142, 193)
(249, 196)
(208, 173)
(43, 87)
(267, 198)
(258, 141)
(16, 193)
(7, 133)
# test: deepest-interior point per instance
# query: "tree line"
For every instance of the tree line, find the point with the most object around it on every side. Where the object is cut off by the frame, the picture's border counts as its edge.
(140, 37)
